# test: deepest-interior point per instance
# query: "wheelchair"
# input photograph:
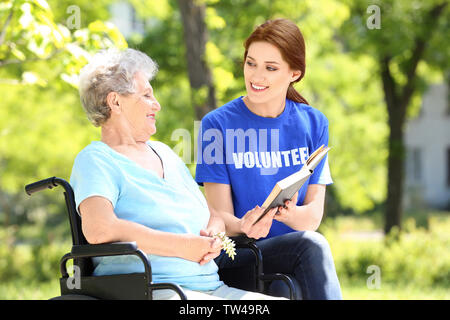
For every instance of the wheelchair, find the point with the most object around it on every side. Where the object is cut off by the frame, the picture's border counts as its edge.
(137, 286)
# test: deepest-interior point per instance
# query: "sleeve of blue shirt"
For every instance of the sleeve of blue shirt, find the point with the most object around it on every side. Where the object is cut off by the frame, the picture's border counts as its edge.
(322, 173)
(211, 165)
(94, 175)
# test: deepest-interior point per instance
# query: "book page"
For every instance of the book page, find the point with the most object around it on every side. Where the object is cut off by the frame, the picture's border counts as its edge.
(316, 157)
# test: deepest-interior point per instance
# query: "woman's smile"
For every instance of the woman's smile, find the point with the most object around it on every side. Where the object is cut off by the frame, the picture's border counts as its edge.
(258, 88)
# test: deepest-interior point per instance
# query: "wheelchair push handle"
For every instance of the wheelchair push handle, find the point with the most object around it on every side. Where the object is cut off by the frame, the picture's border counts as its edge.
(40, 185)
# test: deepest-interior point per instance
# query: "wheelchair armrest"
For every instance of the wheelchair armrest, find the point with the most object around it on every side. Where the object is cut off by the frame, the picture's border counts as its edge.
(117, 249)
(103, 250)
(242, 241)
(114, 248)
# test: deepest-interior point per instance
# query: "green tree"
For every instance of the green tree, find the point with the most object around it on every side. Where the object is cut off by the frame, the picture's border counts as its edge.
(30, 33)
(195, 38)
(410, 46)
(42, 125)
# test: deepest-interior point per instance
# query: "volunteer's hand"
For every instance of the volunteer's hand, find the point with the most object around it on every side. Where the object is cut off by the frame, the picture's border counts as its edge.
(262, 227)
(284, 212)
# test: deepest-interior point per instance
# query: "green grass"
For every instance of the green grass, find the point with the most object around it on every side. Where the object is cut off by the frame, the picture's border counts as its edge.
(358, 290)
(351, 290)
(21, 290)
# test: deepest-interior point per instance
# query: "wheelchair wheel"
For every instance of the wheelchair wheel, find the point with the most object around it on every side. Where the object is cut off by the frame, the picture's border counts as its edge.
(73, 297)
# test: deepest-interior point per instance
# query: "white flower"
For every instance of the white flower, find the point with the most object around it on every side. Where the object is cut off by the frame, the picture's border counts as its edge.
(227, 244)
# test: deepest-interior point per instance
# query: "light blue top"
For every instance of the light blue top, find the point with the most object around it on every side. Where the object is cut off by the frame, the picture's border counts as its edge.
(172, 204)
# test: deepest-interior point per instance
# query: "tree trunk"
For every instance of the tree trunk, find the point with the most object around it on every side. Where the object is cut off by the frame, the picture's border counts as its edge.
(396, 112)
(195, 37)
(397, 101)
(396, 173)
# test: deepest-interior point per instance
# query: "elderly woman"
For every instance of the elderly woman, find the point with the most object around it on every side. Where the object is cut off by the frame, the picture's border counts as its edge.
(128, 188)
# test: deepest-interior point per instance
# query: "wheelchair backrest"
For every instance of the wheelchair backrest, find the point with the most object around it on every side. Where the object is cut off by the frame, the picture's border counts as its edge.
(85, 264)
(78, 238)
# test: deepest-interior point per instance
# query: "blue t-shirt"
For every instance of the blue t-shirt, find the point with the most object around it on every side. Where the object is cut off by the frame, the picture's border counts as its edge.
(252, 153)
(172, 204)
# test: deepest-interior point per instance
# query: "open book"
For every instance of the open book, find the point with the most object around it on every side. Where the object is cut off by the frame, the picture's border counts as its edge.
(285, 189)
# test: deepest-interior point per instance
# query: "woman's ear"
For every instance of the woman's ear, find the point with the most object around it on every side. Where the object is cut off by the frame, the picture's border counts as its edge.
(295, 75)
(112, 100)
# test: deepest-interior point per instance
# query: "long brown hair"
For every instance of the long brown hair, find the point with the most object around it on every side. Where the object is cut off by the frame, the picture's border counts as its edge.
(287, 37)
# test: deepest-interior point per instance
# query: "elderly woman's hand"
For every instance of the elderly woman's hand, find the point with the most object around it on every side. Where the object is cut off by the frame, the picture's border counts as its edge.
(201, 249)
(214, 251)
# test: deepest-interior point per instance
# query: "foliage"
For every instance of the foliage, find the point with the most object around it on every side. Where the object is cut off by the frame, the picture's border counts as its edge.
(42, 126)
(30, 33)
(402, 23)
(410, 50)
(38, 53)
(39, 140)
(418, 257)
(30, 262)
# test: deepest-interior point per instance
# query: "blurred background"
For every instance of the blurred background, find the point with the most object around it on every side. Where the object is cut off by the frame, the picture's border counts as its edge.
(379, 70)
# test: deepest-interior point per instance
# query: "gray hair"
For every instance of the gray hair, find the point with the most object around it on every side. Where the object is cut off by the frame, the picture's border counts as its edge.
(111, 70)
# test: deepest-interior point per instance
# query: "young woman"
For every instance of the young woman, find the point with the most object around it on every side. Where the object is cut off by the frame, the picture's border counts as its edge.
(252, 142)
